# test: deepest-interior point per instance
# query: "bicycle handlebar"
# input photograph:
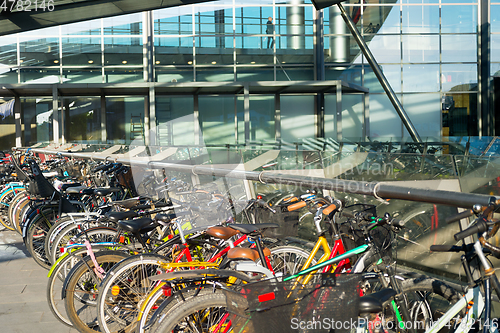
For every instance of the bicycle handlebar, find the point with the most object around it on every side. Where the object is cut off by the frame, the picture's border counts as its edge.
(296, 206)
(459, 216)
(480, 227)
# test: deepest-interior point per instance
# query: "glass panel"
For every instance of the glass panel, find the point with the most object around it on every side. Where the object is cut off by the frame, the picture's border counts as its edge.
(423, 19)
(495, 18)
(7, 128)
(174, 51)
(130, 24)
(123, 51)
(39, 52)
(241, 119)
(117, 75)
(420, 49)
(217, 119)
(352, 116)
(82, 75)
(294, 74)
(392, 74)
(254, 74)
(459, 1)
(425, 115)
(249, 50)
(253, 20)
(495, 47)
(81, 51)
(37, 120)
(341, 49)
(213, 50)
(40, 75)
(331, 116)
(385, 123)
(210, 20)
(172, 74)
(414, 81)
(458, 19)
(350, 74)
(175, 120)
(92, 27)
(262, 118)
(381, 20)
(82, 119)
(214, 74)
(495, 69)
(459, 114)
(173, 21)
(8, 51)
(8, 75)
(458, 77)
(125, 119)
(468, 48)
(297, 117)
(386, 49)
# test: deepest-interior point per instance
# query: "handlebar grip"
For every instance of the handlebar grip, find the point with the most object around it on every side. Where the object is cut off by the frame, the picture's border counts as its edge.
(480, 226)
(100, 167)
(264, 204)
(458, 217)
(329, 209)
(398, 223)
(296, 206)
(290, 199)
(446, 248)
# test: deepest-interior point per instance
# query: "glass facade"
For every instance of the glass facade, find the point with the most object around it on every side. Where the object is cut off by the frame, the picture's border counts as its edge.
(427, 49)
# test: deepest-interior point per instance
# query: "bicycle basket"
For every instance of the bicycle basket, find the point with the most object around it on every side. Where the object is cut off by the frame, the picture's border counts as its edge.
(270, 306)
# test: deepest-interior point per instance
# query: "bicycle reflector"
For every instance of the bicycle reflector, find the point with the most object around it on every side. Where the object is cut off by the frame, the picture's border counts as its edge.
(267, 297)
(167, 290)
(259, 197)
(115, 290)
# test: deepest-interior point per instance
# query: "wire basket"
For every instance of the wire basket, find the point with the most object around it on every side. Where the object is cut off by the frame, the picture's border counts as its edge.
(270, 306)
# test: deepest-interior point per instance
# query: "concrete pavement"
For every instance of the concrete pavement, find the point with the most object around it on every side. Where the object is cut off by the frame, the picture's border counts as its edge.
(23, 284)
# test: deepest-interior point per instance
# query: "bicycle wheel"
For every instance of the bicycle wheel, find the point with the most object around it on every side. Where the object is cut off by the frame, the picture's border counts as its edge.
(35, 238)
(18, 210)
(19, 196)
(82, 288)
(59, 225)
(4, 208)
(123, 289)
(288, 259)
(206, 313)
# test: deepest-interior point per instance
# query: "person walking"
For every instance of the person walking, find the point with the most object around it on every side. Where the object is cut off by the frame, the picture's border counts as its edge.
(270, 32)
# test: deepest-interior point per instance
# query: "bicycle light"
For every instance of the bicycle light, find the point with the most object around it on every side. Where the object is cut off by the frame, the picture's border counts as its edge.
(267, 297)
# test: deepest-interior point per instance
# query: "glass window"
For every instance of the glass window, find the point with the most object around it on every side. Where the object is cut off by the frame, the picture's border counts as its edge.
(424, 19)
(210, 20)
(252, 50)
(253, 20)
(8, 51)
(39, 52)
(214, 74)
(420, 48)
(495, 18)
(381, 20)
(124, 119)
(123, 51)
(391, 72)
(385, 123)
(459, 114)
(495, 47)
(458, 77)
(82, 75)
(386, 48)
(262, 118)
(92, 27)
(424, 112)
(175, 120)
(294, 74)
(82, 119)
(174, 51)
(174, 74)
(8, 75)
(458, 19)
(214, 50)
(468, 48)
(123, 75)
(46, 75)
(495, 69)
(217, 119)
(173, 21)
(130, 24)
(414, 81)
(352, 116)
(341, 49)
(350, 74)
(254, 74)
(37, 119)
(81, 51)
(297, 117)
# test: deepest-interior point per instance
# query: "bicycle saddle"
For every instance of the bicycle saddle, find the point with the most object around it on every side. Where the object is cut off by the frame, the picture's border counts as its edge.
(245, 253)
(64, 187)
(105, 191)
(372, 303)
(79, 190)
(117, 216)
(135, 226)
(251, 228)
(127, 204)
(222, 232)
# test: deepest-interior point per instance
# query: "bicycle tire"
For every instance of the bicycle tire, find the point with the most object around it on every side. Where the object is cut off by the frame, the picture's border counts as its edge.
(212, 306)
(4, 209)
(118, 312)
(19, 197)
(82, 289)
(35, 238)
(288, 259)
(58, 225)
(17, 212)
